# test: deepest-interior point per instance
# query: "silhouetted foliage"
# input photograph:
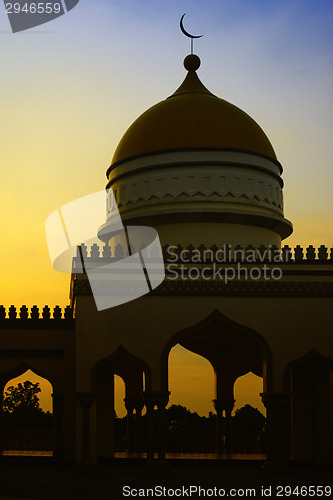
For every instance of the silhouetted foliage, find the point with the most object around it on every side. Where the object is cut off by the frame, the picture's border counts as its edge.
(22, 396)
(189, 432)
(181, 417)
(248, 418)
(21, 407)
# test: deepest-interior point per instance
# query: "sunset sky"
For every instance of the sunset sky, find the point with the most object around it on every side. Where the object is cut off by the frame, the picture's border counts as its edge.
(70, 89)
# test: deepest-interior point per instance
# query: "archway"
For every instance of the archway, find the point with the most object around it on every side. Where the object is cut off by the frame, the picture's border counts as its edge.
(310, 382)
(249, 416)
(136, 378)
(247, 390)
(191, 380)
(189, 415)
(233, 350)
(120, 415)
(27, 414)
(119, 396)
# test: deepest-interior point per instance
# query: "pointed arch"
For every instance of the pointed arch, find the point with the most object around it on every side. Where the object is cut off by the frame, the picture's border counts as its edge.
(309, 380)
(118, 362)
(20, 369)
(222, 329)
(312, 356)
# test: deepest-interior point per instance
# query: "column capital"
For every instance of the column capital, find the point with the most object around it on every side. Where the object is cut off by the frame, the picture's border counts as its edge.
(131, 404)
(156, 398)
(221, 404)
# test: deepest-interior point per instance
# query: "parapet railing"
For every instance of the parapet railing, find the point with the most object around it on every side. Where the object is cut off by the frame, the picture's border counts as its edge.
(226, 253)
(58, 314)
(174, 253)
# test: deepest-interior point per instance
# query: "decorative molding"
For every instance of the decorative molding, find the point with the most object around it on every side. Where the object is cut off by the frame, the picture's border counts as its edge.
(271, 288)
(247, 288)
(229, 186)
(159, 158)
(31, 354)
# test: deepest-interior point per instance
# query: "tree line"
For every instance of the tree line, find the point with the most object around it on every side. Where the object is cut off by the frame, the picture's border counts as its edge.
(21, 408)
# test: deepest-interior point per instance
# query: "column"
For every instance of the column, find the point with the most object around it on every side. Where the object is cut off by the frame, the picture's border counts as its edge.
(278, 425)
(150, 429)
(159, 399)
(129, 405)
(86, 399)
(223, 427)
(134, 423)
(162, 429)
(58, 411)
(219, 426)
(2, 429)
(105, 415)
(138, 424)
(228, 406)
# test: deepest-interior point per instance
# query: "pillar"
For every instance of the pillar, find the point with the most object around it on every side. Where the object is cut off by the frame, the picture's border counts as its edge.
(2, 429)
(138, 424)
(219, 426)
(130, 431)
(311, 412)
(105, 416)
(86, 399)
(223, 427)
(134, 423)
(278, 425)
(160, 400)
(58, 412)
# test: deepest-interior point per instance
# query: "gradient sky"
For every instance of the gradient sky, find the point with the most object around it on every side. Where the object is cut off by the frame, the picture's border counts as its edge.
(70, 89)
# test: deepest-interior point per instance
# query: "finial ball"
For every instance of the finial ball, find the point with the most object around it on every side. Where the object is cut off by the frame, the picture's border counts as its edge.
(192, 62)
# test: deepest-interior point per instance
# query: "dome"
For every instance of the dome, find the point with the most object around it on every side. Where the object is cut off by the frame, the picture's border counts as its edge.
(197, 168)
(192, 117)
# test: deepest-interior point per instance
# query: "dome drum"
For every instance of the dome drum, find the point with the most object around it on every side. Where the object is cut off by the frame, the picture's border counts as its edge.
(203, 185)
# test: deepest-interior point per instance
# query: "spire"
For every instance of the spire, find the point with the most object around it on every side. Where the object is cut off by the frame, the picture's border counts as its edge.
(192, 83)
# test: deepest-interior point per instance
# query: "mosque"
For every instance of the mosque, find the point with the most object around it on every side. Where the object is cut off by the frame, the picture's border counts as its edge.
(204, 175)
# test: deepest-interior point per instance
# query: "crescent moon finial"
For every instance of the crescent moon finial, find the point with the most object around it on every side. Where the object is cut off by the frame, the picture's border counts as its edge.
(186, 33)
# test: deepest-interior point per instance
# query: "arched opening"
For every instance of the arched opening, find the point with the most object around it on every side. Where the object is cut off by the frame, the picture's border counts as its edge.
(27, 415)
(189, 415)
(119, 396)
(247, 390)
(233, 351)
(120, 411)
(310, 382)
(191, 381)
(249, 415)
(120, 376)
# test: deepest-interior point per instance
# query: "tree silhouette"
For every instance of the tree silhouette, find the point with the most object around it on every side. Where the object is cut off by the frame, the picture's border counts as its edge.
(22, 397)
(21, 406)
(182, 417)
(249, 418)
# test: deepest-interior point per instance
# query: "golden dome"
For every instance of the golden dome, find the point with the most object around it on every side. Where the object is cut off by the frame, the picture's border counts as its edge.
(192, 117)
